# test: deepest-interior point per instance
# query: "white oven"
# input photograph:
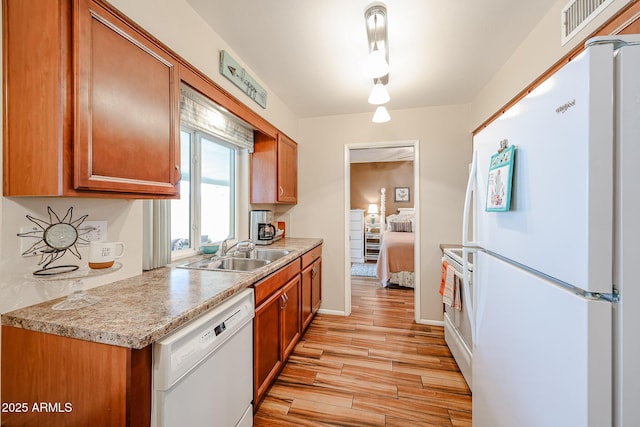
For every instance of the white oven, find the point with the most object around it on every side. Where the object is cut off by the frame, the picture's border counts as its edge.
(457, 327)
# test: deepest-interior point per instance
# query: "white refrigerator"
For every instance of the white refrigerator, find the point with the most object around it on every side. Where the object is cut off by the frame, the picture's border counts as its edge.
(555, 307)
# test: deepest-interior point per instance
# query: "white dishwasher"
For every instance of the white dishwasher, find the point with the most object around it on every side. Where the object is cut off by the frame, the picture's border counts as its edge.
(203, 372)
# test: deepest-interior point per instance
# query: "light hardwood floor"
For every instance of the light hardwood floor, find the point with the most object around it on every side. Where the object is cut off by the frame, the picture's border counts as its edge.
(376, 367)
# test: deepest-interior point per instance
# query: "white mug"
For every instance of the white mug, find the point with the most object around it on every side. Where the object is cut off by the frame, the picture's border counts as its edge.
(104, 254)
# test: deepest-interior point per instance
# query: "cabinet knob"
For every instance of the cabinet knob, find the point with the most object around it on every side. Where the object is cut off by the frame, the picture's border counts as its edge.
(281, 190)
(179, 173)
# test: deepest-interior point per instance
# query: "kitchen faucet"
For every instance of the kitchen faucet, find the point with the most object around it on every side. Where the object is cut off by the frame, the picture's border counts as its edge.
(241, 246)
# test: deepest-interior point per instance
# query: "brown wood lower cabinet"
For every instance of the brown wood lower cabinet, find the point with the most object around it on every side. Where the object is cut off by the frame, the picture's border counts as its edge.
(285, 304)
(49, 380)
(311, 291)
(311, 284)
(276, 326)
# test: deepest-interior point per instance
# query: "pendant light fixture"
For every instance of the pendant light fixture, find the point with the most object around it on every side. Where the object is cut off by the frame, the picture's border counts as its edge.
(376, 22)
(378, 62)
(381, 115)
(377, 65)
(379, 94)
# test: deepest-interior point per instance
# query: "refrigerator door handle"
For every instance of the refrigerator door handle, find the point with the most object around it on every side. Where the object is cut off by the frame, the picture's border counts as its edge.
(469, 304)
(467, 202)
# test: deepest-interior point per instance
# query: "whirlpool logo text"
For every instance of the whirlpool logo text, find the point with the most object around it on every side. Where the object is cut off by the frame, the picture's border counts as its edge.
(564, 107)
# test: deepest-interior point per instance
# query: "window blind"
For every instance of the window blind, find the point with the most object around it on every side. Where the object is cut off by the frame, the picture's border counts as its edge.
(202, 114)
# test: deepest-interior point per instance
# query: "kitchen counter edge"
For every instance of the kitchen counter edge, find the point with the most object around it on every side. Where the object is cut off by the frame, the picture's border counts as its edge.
(138, 311)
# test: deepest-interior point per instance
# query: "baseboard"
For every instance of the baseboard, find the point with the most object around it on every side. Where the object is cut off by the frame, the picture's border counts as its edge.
(430, 322)
(331, 312)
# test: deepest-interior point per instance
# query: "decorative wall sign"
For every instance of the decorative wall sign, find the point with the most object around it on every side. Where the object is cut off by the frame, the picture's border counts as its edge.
(239, 77)
(401, 194)
(500, 180)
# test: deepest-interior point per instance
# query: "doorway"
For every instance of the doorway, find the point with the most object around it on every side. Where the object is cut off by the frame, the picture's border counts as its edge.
(375, 154)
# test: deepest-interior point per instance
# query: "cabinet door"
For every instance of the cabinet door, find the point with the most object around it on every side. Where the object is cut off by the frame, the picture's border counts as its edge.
(127, 124)
(316, 285)
(306, 307)
(266, 345)
(287, 170)
(290, 325)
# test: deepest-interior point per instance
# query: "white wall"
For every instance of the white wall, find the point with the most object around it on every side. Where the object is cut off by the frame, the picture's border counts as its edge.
(538, 53)
(444, 137)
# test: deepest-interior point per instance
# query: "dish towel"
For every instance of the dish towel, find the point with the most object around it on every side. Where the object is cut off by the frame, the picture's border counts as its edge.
(443, 279)
(449, 286)
(457, 295)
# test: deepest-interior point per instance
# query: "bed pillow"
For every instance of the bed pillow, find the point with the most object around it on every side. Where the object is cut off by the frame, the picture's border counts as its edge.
(401, 226)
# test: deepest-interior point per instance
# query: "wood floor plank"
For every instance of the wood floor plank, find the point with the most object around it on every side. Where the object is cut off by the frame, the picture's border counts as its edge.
(443, 399)
(392, 421)
(335, 415)
(350, 383)
(317, 366)
(295, 373)
(376, 367)
(407, 409)
(333, 348)
(382, 376)
(330, 396)
(366, 362)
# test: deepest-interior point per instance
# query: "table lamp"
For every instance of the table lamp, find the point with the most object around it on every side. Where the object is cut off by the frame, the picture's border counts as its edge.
(373, 211)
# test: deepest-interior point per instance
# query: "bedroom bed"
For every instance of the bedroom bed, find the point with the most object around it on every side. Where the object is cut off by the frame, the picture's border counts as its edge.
(395, 266)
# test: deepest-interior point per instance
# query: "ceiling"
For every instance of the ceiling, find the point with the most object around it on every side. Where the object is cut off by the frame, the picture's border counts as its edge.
(310, 53)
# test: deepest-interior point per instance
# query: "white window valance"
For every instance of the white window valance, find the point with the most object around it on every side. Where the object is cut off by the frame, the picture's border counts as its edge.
(202, 114)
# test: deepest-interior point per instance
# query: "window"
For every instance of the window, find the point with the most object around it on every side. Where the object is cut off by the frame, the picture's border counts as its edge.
(206, 209)
(215, 169)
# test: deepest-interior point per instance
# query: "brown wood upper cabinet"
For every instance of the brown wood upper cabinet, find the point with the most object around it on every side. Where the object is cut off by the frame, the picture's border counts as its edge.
(91, 104)
(274, 170)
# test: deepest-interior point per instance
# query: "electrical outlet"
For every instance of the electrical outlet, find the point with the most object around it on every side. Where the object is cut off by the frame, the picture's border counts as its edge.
(93, 231)
(27, 242)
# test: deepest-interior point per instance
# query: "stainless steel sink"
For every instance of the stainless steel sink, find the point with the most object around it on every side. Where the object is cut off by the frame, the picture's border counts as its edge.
(264, 253)
(227, 264)
(239, 261)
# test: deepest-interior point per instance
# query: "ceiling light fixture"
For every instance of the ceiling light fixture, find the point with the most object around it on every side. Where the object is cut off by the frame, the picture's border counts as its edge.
(376, 21)
(381, 115)
(379, 94)
(378, 62)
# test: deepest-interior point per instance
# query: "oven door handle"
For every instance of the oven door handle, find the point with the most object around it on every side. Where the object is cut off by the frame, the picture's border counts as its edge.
(469, 304)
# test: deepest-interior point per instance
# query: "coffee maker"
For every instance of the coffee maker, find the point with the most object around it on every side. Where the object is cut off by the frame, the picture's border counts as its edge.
(262, 231)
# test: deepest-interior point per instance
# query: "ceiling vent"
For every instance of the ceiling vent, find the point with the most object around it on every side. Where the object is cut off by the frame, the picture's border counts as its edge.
(577, 14)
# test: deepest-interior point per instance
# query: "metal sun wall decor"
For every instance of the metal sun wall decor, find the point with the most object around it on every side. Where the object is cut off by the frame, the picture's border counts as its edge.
(54, 239)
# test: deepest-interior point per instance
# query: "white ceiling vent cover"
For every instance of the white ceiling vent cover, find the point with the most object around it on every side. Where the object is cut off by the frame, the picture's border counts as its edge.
(577, 14)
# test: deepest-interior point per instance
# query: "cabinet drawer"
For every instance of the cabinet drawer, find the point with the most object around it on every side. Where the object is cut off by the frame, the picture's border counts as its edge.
(355, 226)
(311, 256)
(356, 244)
(356, 253)
(272, 283)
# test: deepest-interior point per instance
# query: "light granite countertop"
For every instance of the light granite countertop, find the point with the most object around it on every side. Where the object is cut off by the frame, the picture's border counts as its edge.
(138, 311)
